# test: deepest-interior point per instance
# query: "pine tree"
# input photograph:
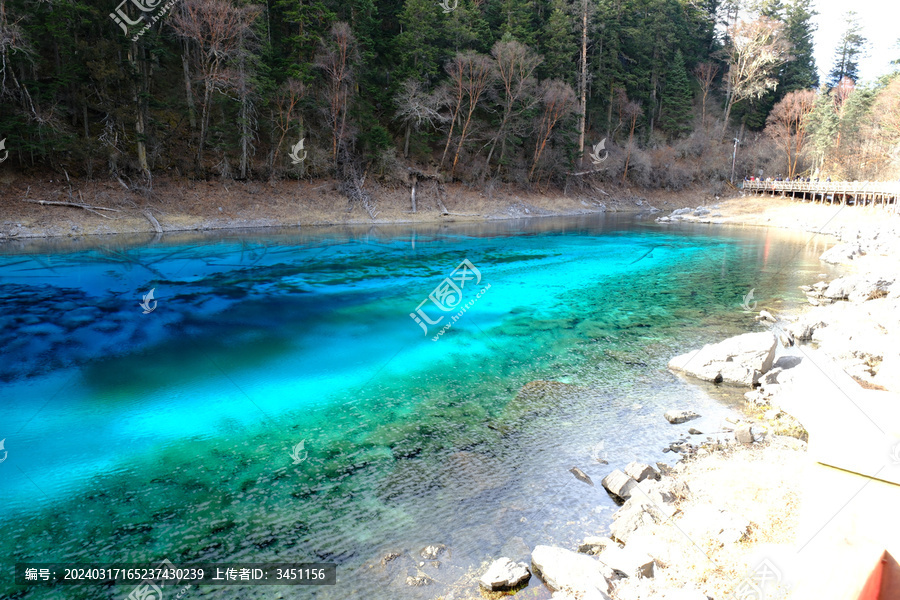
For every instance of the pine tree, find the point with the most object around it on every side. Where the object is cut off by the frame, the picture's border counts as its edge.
(848, 52)
(676, 99)
(558, 43)
(801, 72)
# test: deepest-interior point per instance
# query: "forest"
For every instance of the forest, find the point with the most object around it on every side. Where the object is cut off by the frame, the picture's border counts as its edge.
(653, 93)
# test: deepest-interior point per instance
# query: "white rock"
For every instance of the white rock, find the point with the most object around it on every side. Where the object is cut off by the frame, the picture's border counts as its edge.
(804, 327)
(842, 253)
(739, 360)
(743, 434)
(628, 561)
(563, 569)
(640, 471)
(765, 315)
(504, 574)
(648, 505)
(594, 544)
(619, 484)
(680, 416)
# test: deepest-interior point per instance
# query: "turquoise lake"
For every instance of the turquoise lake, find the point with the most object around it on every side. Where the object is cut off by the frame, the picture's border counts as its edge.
(280, 404)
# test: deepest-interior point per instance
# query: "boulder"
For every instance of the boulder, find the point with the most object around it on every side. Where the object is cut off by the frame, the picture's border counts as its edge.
(758, 432)
(841, 288)
(504, 574)
(739, 360)
(648, 505)
(842, 253)
(765, 315)
(595, 544)
(743, 434)
(869, 289)
(563, 569)
(804, 327)
(640, 471)
(627, 561)
(619, 484)
(581, 476)
(680, 416)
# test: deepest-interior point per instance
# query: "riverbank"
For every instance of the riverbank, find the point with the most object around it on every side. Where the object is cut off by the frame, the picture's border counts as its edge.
(750, 510)
(170, 205)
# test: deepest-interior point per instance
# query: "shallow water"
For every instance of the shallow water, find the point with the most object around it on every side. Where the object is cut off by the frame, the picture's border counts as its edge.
(135, 437)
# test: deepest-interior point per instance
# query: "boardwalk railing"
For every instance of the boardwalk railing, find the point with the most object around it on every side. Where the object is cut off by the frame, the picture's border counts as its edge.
(859, 193)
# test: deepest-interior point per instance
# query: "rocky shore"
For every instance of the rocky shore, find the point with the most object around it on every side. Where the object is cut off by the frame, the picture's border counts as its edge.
(706, 527)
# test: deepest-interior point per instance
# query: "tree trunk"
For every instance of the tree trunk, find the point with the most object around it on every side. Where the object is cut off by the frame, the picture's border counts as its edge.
(582, 110)
(628, 155)
(189, 90)
(406, 141)
(204, 123)
(138, 96)
(609, 111)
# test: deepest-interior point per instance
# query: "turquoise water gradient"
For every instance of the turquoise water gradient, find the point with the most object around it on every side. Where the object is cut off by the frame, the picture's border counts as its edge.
(137, 437)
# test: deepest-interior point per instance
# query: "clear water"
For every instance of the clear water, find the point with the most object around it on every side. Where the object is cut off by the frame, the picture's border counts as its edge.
(135, 437)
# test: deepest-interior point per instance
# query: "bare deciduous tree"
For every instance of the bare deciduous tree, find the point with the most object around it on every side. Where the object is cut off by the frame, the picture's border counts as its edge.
(470, 75)
(415, 108)
(787, 125)
(558, 101)
(515, 70)
(629, 112)
(338, 58)
(216, 28)
(287, 110)
(754, 50)
(706, 75)
(12, 41)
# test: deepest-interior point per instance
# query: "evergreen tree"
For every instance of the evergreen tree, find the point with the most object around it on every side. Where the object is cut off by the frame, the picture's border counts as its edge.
(801, 72)
(676, 99)
(848, 52)
(558, 44)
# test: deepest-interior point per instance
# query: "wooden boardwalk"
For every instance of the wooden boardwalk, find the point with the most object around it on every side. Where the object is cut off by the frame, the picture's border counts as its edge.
(858, 193)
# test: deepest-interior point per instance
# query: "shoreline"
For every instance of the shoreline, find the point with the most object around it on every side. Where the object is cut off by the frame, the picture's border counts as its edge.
(722, 520)
(171, 205)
